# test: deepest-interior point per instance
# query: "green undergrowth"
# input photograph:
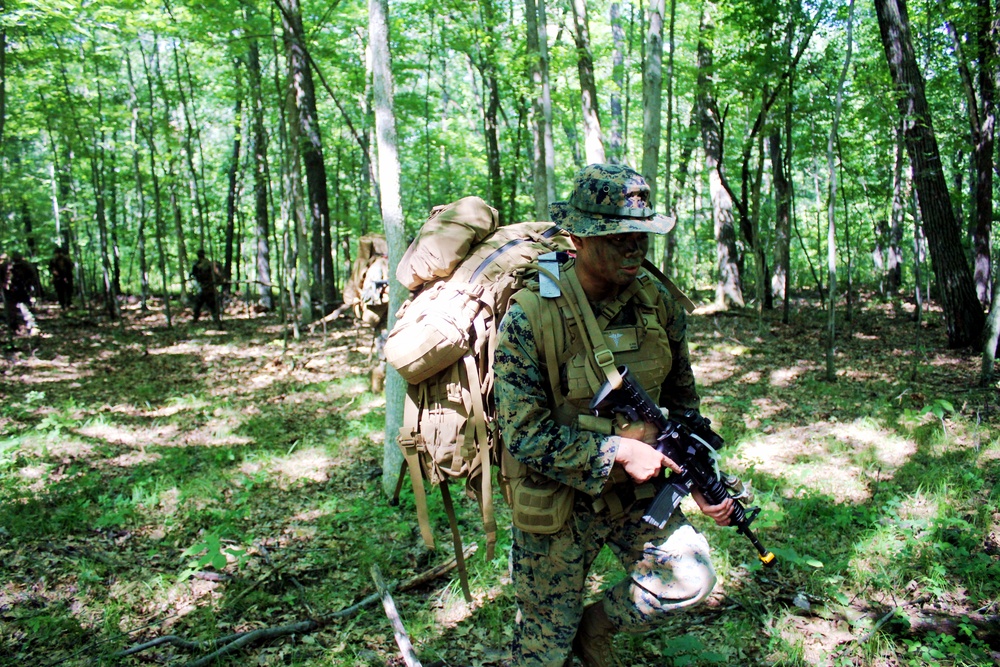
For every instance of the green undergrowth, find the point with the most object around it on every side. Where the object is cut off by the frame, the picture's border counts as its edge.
(211, 485)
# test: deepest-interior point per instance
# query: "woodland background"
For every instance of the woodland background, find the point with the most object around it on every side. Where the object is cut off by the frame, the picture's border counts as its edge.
(832, 169)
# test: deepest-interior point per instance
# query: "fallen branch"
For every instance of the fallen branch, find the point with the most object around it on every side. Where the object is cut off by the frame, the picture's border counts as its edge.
(254, 636)
(399, 631)
(230, 643)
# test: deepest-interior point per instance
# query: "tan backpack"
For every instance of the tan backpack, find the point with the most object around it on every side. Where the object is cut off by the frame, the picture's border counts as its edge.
(464, 271)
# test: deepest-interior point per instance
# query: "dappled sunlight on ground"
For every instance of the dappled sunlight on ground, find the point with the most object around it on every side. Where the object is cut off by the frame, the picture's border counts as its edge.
(311, 464)
(826, 457)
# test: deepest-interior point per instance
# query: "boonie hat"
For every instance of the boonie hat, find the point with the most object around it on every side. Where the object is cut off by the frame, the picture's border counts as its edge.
(609, 199)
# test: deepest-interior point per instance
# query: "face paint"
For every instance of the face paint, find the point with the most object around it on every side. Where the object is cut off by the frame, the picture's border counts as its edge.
(607, 264)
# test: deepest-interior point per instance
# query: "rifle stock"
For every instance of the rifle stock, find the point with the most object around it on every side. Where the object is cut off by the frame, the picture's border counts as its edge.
(689, 445)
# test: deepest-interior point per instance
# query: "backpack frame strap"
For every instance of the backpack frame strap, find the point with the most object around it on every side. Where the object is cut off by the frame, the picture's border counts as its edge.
(410, 442)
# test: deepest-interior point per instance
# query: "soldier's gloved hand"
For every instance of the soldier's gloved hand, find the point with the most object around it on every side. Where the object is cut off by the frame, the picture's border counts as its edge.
(641, 461)
(718, 513)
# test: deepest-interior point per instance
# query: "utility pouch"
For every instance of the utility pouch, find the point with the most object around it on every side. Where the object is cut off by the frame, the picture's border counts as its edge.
(539, 505)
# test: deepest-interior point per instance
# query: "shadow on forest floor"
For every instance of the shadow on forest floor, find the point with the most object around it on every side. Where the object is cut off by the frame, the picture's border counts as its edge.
(199, 482)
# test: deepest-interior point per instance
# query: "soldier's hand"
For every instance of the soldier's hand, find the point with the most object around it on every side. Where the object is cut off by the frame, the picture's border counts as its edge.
(719, 513)
(640, 430)
(641, 461)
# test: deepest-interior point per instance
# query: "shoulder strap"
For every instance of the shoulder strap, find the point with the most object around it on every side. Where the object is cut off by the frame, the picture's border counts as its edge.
(669, 284)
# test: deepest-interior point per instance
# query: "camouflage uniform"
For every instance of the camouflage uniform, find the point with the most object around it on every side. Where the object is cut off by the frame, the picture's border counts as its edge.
(669, 569)
(208, 275)
(61, 271)
(19, 280)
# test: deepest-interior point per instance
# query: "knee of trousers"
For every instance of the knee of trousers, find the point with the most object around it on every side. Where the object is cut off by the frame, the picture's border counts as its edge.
(663, 582)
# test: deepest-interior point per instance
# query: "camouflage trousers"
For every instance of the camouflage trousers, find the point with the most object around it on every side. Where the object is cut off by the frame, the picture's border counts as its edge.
(669, 570)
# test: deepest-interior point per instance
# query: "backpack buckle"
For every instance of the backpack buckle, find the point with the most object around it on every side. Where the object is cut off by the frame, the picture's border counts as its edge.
(604, 357)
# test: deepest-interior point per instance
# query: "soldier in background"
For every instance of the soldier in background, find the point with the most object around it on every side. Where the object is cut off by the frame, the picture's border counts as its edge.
(208, 275)
(19, 280)
(61, 271)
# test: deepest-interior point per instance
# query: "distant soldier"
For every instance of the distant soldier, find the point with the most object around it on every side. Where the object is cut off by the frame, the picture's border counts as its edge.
(61, 271)
(19, 280)
(208, 275)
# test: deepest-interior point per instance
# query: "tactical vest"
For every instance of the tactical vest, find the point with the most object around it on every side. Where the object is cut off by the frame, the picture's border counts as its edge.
(578, 349)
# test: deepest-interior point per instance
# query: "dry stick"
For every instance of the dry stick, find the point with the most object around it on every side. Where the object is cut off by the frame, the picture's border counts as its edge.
(254, 636)
(229, 643)
(402, 639)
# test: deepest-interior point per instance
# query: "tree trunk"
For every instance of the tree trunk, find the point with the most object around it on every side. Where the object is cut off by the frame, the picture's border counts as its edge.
(593, 142)
(392, 218)
(547, 132)
(616, 132)
(539, 180)
(136, 167)
(157, 202)
(260, 178)
(234, 164)
(894, 249)
(983, 139)
(298, 258)
(831, 238)
(192, 140)
(782, 218)
(729, 288)
(652, 97)
(964, 317)
(301, 80)
(491, 95)
(668, 198)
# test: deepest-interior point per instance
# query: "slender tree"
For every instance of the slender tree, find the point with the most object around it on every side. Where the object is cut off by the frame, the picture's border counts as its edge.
(831, 238)
(392, 219)
(260, 170)
(539, 180)
(593, 141)
(301, 79)
(652, 97)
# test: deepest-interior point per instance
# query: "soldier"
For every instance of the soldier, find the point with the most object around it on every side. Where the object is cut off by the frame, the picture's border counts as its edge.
(19, 280)
(596, 484)
(208, 275)
(61, 271)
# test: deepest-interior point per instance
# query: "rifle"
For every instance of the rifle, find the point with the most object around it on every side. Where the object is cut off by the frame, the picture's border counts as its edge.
(690, 443)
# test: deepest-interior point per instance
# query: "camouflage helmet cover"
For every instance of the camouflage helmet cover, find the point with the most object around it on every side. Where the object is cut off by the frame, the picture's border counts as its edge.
(609, 199)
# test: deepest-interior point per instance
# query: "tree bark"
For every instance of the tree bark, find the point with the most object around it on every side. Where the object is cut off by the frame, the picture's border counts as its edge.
(260, 175)
(234, 166)
(782, 218)
(616, 138)
(488, 70)
(894, 251)
(157, 200)
(392, 218)
(539, 179)
(964, 317)
(831, 238)
(652, 97)
(729, 288)
(301, 80)
(593, 142)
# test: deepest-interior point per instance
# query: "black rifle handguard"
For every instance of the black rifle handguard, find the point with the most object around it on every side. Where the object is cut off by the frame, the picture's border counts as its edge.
(690, 444)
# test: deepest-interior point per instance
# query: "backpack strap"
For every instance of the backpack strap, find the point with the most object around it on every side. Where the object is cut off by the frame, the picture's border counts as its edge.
(456, 539)
(477, 430)
(411, 442)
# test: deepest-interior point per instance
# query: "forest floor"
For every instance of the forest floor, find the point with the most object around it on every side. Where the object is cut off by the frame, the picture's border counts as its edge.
(162, 488)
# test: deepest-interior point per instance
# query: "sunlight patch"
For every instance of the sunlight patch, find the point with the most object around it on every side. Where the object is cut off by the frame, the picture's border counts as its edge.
(133, 459)
(784, 377)
(828, 458)
(312, 464)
